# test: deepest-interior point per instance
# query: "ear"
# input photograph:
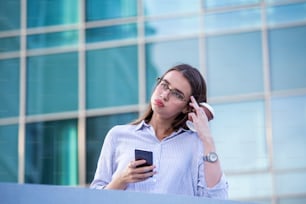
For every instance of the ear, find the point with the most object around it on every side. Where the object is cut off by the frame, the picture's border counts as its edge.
(186, 110)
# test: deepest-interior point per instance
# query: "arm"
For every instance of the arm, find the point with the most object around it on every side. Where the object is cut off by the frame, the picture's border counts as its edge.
(106, 168)
(212, 171)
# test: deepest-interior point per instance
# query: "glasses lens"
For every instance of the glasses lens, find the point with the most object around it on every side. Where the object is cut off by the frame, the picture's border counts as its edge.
(177, 95)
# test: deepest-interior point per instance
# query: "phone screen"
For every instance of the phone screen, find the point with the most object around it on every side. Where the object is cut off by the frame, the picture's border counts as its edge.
(146, 155)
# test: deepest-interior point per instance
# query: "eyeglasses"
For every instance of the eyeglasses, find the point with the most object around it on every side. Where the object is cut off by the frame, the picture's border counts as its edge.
(173, 92)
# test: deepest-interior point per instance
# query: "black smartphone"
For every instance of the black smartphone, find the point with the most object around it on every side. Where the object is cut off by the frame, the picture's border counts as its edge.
(146, 155)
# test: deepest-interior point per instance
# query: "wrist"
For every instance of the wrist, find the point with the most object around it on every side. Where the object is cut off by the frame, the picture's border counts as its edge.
(117, 183)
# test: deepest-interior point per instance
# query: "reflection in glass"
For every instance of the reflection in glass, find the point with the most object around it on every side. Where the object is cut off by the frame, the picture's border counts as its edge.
(289, 130)
(234, 64)
(51, 153)
(109, 9)
(247, 186)
(55, 12)
(233, 20)
(9, 44)
(288, 66)
(295, 183)
(9, 88)
(112, 77)
(58, 39)
(96, 130)
(286, 13)
(52, 83)
(210, 4)
(9, 15)
(169, 27)
(239, 132)
(9, 153)
(116, 32)
(160, 7)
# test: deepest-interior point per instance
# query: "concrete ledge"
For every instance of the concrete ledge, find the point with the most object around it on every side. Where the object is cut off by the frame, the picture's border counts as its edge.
(11, 193)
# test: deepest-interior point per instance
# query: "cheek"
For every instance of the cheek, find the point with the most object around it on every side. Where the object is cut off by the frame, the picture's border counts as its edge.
(176, 109)
(155, 94)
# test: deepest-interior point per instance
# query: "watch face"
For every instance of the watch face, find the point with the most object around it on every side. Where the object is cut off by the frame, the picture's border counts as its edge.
(213, 157)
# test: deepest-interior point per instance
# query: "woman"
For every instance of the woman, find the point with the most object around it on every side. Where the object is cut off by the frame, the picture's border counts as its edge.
(184, 161)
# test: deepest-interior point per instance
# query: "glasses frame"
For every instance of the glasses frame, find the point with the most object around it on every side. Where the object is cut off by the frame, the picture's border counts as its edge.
(174, 93)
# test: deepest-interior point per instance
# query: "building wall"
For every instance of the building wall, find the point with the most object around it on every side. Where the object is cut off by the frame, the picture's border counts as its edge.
(72, 69)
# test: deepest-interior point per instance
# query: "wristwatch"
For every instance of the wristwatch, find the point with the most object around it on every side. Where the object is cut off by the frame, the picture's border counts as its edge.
(211, 157)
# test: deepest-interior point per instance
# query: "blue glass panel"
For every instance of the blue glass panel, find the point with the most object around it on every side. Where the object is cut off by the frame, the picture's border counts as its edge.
(286, 13)
(56, 12)
(233, 20)
(160, 7)
(52, 83)
(108, 9)
(234, 64)
(59, 39)
(291, 183)
(222, 3)
(246, 186)
(96, 130)
(9, 44)
(287, 58)
(116, 32)
(112, 77)
(289, 131)
(239, 132)
(9, 88)
(9, 153)
(169, 27)
(9, 15)
(51, 153)
(159, 59)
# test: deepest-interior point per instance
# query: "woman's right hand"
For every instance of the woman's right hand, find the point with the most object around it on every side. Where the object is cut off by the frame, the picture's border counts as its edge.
(132, 174)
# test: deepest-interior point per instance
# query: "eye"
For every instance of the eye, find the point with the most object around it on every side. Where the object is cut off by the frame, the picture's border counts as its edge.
(164, 85)
(177, 95)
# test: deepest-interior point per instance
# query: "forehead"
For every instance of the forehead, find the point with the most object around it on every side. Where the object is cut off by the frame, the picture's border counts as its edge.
(178, 81)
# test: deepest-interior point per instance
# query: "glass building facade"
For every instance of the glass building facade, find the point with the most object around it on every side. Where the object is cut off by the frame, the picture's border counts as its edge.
(72, 69)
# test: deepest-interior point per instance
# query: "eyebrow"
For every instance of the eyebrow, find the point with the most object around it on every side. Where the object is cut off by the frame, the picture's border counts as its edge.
(174, 88)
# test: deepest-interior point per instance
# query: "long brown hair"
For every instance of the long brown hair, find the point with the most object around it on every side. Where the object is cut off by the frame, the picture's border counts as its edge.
(198, 90)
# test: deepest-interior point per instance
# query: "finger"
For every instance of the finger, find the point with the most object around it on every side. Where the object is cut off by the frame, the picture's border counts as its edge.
(139, 162)
(194, 102)
(197, 109)
(143, 176)
(131, 165)
(144, 169)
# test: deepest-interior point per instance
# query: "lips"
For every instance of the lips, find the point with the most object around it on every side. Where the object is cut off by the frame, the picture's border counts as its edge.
(159, 103)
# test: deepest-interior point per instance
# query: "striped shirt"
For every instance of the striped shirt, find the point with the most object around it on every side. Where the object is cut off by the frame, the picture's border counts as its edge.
(178, 159)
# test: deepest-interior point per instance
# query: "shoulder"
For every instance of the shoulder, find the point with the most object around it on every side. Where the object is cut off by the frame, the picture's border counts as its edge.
(122, 128)
(192, 139)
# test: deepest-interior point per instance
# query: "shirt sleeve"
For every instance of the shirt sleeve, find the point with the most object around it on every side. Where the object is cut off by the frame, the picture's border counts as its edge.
(219, 191)
(104, 171)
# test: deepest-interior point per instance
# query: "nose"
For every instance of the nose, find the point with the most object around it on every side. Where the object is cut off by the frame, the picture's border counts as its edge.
(165, 94)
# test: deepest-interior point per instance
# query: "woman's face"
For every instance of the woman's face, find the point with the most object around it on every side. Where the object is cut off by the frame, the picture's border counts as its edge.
(171, 96)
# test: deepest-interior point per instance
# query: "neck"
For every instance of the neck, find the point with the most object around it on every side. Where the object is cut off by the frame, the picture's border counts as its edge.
(162, 128)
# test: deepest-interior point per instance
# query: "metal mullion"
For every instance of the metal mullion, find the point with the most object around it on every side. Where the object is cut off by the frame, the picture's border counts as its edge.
(267, 98)
(22, 95)
(141, 57)
(82, 98)
(202, 43)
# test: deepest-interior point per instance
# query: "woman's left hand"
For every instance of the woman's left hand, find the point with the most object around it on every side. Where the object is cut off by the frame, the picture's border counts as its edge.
(200, 120)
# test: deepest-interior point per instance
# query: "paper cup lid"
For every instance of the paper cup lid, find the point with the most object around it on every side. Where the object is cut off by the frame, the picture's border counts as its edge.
(206, 105)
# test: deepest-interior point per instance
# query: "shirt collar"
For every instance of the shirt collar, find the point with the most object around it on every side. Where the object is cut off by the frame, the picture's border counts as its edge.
(143, 124)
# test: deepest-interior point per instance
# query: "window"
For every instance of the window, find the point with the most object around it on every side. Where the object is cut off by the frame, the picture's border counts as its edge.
(52, 83)
(51, 153)
(112, 77)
